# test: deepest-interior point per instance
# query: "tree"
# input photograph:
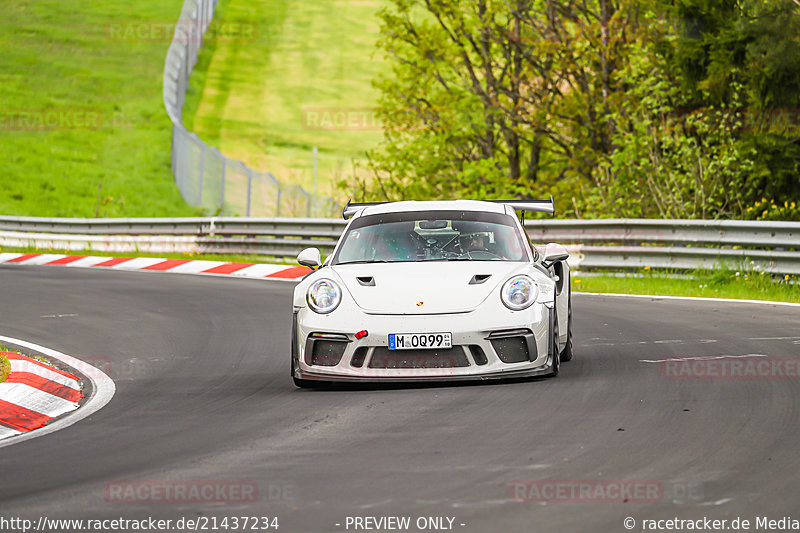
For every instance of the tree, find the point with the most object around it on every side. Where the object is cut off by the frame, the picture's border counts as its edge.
(620, 107)
(700, 139)
(452, 109)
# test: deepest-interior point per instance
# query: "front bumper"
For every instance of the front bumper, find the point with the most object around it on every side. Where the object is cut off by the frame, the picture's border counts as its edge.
(491, 342)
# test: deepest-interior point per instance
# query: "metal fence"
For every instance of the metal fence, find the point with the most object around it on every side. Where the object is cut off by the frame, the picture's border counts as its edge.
(773, 247)
(205, 177)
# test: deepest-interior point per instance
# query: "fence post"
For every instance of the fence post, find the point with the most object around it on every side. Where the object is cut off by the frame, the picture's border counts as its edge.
(222, 184)
(249, 185)
(202, 173)
(186, 72)
(315, 170)
(173, 160)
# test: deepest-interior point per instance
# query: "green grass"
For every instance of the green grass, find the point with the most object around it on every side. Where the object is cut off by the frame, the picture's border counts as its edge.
(109, 152)
(5, 365)
(43, 360)
(721, 283)
(264, 100)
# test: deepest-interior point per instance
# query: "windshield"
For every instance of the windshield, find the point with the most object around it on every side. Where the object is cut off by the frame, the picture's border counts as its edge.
(432, 236)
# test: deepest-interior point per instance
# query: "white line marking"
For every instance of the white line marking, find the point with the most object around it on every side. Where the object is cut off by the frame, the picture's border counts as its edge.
(772, 338)
(696, 298)
(103, 385)
(375, 504)
(718, 502)
(700, 358)
(690, 341)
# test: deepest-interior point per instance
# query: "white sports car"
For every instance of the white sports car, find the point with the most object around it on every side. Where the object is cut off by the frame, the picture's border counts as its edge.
(435, 290)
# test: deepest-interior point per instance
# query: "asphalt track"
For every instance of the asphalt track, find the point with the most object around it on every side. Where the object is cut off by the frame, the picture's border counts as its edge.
(203, 393)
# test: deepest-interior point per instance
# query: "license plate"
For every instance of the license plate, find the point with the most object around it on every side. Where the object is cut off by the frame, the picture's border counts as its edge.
(420, 341)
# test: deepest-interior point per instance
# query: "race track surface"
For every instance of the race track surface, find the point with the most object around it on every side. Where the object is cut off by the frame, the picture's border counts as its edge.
(204, 394)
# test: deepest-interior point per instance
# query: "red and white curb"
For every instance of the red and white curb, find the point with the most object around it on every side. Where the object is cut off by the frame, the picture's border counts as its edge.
(152, 264)
(34, 394)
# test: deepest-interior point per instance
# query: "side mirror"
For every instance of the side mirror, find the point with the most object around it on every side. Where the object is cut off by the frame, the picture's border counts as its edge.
(553, 253)
(310, 257)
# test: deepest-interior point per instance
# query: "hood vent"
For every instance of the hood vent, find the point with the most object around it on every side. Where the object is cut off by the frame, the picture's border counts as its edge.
(477, 279)
(366, 281)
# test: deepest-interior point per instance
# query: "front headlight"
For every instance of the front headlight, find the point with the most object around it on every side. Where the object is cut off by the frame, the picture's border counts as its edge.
(323, 296)
(519, 293)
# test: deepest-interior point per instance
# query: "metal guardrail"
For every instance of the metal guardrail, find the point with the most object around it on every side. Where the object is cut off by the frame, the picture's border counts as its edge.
(205, 177)
(269, 237)
(683, 232)
(676, 244)
(594, 244)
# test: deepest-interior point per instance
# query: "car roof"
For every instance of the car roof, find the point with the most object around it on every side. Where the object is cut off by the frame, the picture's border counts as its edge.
(433, 205)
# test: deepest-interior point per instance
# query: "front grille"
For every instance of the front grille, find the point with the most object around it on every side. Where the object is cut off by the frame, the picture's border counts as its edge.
(358, 357)
(511, 349)
(383, 357)
(324, 352)
(478, 354)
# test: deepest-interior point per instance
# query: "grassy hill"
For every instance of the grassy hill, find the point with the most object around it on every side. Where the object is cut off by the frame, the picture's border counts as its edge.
(83, 131)
(301, 78)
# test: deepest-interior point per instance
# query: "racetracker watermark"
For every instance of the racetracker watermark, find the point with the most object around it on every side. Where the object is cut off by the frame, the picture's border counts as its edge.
(747, 367)
(197, 492)
(412, 363)
(190, 31)
(341, 119)
(587, 491)
(127, 369)
(51, 119)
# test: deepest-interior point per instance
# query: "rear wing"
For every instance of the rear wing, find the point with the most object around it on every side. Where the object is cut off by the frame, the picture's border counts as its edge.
(351, 209)
(539, 206)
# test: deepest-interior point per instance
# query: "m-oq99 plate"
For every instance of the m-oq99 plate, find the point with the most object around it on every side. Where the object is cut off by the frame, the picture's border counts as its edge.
(420, 341)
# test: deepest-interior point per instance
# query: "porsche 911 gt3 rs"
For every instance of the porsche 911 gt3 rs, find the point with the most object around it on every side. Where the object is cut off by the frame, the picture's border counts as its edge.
(432, 290)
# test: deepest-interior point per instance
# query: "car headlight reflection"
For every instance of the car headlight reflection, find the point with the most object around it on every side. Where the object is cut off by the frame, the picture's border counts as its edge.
(519, 293)
(323, 296)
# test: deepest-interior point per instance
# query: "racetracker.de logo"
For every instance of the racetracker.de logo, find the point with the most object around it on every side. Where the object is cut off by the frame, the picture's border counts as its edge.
(190, 31)
(341, 119)
(588, 491)
(180, 492)
(726, 367)
(50, 119)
